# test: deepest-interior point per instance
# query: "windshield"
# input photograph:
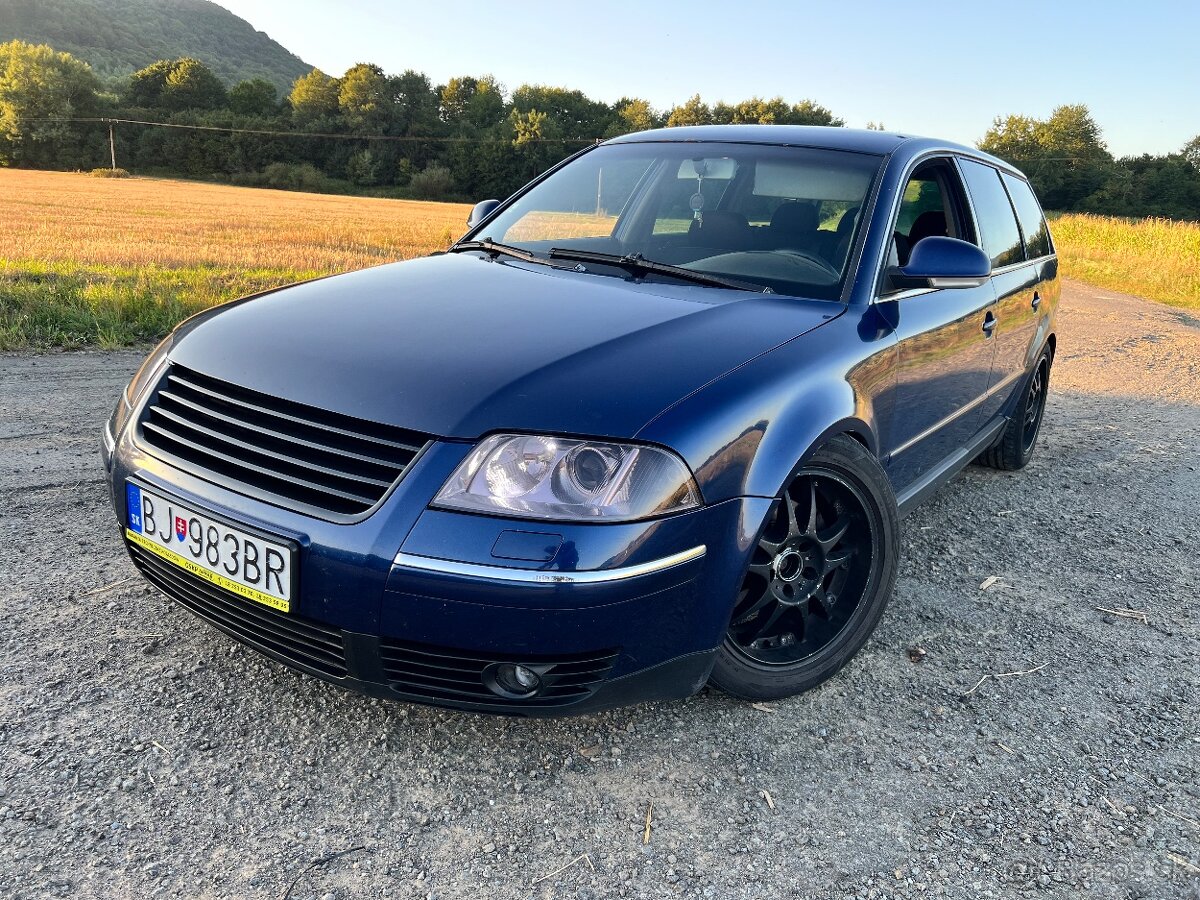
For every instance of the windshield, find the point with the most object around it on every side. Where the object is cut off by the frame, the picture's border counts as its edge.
(782, 218)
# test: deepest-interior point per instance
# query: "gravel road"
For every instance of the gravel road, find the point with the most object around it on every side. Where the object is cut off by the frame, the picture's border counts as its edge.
(144, 754)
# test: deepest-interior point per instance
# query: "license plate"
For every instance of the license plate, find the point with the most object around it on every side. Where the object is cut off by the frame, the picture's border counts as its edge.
(232, 558)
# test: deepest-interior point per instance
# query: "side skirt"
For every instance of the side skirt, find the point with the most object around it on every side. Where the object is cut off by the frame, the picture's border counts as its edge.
(920, 489)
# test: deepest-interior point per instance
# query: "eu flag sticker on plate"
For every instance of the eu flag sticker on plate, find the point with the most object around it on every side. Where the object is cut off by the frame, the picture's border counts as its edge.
(133, 504)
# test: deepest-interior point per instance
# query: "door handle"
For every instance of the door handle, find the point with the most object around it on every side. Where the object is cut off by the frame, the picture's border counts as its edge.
(989, 324)
(1037, 300)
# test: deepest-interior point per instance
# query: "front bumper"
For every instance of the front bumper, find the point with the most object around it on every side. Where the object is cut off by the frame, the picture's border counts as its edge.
(420, 605)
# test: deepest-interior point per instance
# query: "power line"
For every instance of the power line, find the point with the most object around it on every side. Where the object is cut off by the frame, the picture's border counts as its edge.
(229, 129)
(401, 139)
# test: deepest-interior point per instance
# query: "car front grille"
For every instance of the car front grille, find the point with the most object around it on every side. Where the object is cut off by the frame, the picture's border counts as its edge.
(289, 454)
(302, 642)
(437, 674)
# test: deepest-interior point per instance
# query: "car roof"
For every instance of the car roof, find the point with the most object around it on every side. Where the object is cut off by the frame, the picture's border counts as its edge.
(823, 137)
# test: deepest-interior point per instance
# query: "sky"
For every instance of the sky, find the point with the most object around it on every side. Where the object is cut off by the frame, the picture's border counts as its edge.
(926, 67)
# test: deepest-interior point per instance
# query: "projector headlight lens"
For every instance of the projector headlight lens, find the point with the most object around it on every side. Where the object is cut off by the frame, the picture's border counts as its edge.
(553, 478)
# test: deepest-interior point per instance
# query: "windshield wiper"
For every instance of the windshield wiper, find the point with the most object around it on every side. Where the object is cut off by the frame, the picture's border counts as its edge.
(635, 262)
(487, 245)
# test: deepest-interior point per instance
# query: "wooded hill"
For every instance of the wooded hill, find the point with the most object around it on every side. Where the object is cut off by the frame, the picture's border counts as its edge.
(118, 37)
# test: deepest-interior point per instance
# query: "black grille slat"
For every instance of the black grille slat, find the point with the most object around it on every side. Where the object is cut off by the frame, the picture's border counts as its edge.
(403, 650)
(299, 641)
(435, 673)
(245, 618)
(420, 669)
(296, 456)
(230, 465)
(236, 398)
(200, 592)
(265, 454)
(260, 432)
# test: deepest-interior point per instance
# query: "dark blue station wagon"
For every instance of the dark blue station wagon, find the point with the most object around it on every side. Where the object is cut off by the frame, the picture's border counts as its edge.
(650, 424)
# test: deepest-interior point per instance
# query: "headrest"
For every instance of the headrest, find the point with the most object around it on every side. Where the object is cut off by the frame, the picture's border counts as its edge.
(795, 216)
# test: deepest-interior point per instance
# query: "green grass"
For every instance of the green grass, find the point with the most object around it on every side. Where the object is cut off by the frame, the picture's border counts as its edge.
(57, 304)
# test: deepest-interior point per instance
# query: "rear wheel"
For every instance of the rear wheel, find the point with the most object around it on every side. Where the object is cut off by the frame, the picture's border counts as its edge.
(818, 580)
(1014, 450)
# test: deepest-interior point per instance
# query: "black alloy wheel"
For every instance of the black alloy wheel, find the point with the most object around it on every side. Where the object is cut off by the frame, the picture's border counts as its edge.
(818, 578)
(1014, 448)
(807, 574)
(1035, 404)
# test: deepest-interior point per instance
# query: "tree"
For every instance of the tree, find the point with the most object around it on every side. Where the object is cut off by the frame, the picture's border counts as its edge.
(192, 85)
(1014, 138)
(573, 113)
(632, 115)
(145, 87)
(37, 87)
(415, 104)
(176, 84)
(365, 99)
(1071, 131)
(474, 102)
(529, 127)
(1064, 155)
(256, 97)
(1191, 152)
(809, 112)
(363, 168)
(314, 96)
(694, 112)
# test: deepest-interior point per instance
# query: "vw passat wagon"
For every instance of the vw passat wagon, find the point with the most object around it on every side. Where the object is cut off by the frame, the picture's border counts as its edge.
(650, 424)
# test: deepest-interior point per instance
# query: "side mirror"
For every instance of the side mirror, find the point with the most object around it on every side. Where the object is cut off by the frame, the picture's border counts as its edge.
(943, 262)
(481, 211)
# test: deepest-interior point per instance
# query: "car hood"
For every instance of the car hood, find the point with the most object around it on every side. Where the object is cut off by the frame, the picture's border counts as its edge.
(459, 345)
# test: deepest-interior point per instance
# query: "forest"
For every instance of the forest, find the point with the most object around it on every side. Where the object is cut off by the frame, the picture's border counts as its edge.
(373, 132)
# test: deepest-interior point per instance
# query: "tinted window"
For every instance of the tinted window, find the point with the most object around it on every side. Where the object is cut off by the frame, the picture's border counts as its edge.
(923, 194)
(996, 223)
(1029, 214)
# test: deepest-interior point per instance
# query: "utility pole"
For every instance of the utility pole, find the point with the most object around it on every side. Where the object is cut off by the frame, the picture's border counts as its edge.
(112, 145)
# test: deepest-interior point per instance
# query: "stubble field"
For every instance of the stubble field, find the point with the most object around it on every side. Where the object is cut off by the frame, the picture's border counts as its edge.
(109, 263)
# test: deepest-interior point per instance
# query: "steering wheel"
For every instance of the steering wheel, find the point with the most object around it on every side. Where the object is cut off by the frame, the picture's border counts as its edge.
(814, 259)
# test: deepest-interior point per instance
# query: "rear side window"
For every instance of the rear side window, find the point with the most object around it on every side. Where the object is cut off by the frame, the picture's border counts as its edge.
(1029, 215)
(997, 225)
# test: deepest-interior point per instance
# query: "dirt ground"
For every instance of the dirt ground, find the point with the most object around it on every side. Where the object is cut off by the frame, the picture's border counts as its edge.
(144, 754)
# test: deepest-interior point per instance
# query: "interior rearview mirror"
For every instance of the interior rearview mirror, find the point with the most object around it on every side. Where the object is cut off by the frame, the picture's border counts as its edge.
(720, 167)
(942, 262)
(481, 211)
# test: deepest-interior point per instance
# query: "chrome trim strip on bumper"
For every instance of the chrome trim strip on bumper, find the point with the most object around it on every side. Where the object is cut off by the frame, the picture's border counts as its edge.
(542, 576)
(110, 442)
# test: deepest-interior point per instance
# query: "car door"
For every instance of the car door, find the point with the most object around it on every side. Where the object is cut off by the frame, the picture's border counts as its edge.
(1015, 278)
(944, 353)
(1026, 304)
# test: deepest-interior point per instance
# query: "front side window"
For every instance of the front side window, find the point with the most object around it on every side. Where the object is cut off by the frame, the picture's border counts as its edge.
(782, 218)
(932, 205)
(995, 220)
(1030, 217)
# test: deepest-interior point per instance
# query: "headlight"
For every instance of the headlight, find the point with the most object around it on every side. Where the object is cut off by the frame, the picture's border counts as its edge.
(145, 376)
(545, 477)
(148, 371)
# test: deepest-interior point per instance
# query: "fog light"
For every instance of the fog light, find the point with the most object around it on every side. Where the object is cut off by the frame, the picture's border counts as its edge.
(513, 680)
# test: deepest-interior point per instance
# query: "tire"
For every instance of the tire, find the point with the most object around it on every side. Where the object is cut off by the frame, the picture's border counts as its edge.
(817, 581)
(1015, 447)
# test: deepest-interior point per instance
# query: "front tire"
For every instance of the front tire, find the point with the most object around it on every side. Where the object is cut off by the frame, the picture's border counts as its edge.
(818, 580)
